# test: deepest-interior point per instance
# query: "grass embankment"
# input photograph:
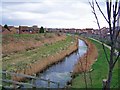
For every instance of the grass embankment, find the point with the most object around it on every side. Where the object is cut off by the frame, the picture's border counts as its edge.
(25, 53)
(36, 60)
(100, 71)
(23, 42)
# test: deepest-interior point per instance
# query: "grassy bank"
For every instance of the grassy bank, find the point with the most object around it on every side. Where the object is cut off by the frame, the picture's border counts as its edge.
(100, 71)
(61, 49)
(28, 55)
(23, 42)
(42, 55)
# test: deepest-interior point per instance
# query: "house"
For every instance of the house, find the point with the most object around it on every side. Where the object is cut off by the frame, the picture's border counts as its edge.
(78, 31)
(24, 30)
(9, 30)
(89, 30)
(104, 31)
(6, 31)
(13, 30)
(17, 29)
(28, 30)
(35, 29)
(96, 31)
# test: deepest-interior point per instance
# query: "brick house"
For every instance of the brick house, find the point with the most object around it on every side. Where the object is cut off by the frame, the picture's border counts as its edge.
(6, 31)
(13, 30)
(104, 31)
(78, 31)
(96, 31)
(28, 30)
(35, 29)
(23, 29)
(89, 30)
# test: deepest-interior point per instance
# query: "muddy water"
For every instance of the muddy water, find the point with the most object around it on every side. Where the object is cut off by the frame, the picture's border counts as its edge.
(61, 72)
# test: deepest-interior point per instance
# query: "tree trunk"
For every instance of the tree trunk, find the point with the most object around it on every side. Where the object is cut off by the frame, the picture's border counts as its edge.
(107, 87)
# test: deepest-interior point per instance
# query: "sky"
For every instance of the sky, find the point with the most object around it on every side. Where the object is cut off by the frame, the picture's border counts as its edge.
(51, 13)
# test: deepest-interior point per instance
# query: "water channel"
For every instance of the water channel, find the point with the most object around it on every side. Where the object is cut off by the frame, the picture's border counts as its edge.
(61, 72)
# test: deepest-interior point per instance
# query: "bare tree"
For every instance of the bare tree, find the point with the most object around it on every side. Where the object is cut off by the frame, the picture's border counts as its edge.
(113, 10)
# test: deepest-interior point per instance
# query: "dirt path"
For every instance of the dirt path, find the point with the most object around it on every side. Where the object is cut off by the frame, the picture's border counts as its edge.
(85, 62)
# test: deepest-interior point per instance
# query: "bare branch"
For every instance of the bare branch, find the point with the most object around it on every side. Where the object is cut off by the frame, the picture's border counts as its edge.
(109, 19)
(116, 60)
(94, 12)
(118, 9)
(118, 29)
(91, 4)
(105, 53)
(101, 10)
(107, 3)
(114, 17)
(117, 34)
(113, 33)
(110, 7)
(116, 3)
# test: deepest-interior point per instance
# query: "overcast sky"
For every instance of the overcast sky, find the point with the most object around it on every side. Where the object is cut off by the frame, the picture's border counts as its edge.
(50, 13)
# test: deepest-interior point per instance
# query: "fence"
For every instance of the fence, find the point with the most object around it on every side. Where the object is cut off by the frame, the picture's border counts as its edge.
(17, 84)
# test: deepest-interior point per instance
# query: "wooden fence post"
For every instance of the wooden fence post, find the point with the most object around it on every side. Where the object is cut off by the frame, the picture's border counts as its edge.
(48, 83)
(104, 83)
(33, 82)
(4, 77)
(58, 85)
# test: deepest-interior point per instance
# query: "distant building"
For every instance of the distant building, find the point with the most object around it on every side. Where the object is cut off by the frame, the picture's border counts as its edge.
(104, 31)
(96, 32)
(35, 29)
(14, 30)
(28, 30)
(89, 30)
(24, 30)
(5, 31)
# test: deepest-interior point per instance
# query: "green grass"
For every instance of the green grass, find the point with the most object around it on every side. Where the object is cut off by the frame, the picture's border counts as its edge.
(100, 71)
(22, 59)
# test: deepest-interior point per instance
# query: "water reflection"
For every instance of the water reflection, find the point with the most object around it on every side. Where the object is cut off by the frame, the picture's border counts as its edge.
(61, 71)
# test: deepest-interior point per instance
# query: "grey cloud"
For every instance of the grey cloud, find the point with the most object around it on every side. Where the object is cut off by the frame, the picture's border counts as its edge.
(53, 13)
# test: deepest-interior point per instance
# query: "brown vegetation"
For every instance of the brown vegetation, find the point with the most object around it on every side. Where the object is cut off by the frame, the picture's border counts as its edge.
(14, 45)
(41, 65)
(86, 61)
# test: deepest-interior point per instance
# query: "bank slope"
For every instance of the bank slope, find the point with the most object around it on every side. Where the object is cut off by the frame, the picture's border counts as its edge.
(100, 71)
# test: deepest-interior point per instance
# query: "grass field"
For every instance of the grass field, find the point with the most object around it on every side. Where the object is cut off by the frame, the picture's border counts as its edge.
(21, 60)
(100, 71)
